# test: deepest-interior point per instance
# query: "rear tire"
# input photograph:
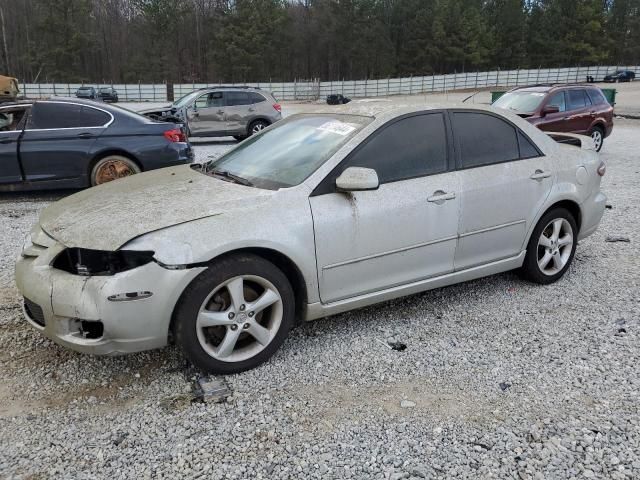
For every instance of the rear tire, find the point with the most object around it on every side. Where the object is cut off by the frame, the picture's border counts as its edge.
(257, 126)
(235, 315)
(551, 247)
(111, 168)
(597, 135)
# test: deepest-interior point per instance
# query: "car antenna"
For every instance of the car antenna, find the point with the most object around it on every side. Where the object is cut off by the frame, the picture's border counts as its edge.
(471, 96)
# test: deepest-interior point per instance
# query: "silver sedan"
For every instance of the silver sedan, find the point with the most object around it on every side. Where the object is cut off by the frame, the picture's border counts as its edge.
(318, 214)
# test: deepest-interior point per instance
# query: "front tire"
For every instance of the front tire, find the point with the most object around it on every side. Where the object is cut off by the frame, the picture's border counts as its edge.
(551, 247)
(235, 315)
(111, 168)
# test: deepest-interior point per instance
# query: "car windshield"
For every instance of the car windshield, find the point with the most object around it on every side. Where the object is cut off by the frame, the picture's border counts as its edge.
(187, 99)
(105, 89)
(288, 152)
(522, 102)
(85, 88)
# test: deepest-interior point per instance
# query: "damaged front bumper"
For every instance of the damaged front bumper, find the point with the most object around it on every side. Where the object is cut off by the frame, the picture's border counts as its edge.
(122, 313)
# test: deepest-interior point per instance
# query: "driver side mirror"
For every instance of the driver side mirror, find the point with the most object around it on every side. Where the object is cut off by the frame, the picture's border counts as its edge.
(550, 109)
(355, 179)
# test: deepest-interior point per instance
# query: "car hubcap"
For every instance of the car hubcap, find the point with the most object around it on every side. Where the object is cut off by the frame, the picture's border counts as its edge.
(555, 246)
(258, 127)
(113, 170)
(239, 318)
(597, 138)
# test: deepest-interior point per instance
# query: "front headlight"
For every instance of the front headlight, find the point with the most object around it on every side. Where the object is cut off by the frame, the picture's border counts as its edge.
(82, 261)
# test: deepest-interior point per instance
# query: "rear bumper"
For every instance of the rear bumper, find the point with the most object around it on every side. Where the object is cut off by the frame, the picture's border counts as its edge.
(182, 153)
(59, 302)
(592, 211)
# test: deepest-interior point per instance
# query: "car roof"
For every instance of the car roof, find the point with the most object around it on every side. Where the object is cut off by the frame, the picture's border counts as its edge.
(381, 108)
(230, 87)
(551, 87)
(112, 109)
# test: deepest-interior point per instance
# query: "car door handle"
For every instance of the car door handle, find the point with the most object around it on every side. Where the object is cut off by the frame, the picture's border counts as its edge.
(540, 175)
(85, 135)
(220, 112)
(440, 197)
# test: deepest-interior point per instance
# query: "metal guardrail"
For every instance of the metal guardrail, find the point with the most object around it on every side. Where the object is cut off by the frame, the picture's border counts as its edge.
(315, 89)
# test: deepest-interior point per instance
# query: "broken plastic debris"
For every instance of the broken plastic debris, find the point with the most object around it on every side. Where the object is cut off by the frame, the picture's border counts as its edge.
(398, 346)
(612, 239)
(211, 389)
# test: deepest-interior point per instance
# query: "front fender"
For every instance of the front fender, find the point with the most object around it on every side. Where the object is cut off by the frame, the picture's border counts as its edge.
(287, 231)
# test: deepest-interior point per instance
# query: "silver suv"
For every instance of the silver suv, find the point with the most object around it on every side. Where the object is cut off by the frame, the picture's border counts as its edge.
(222, 111)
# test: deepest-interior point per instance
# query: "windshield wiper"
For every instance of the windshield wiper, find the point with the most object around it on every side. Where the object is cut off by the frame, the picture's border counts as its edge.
(230, 176)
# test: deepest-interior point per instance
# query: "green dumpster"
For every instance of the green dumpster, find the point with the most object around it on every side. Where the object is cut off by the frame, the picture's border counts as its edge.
(610, 95)
(496, 95)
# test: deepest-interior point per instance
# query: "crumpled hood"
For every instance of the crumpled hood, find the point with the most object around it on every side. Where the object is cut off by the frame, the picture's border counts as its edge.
(159, 108)
(108, 216)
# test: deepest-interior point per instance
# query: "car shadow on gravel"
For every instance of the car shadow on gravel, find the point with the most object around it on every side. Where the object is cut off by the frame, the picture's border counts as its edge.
(36, 196)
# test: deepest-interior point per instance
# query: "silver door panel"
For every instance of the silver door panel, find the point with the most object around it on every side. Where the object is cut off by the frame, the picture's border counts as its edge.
(368, 241)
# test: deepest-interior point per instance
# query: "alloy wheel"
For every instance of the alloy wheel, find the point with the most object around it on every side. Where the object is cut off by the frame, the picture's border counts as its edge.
(555, 246)
(596, 136)
(258, 127)
(239, 318)
(112, 170)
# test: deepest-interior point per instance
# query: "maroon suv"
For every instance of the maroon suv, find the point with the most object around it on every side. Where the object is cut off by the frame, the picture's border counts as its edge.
(579, 109)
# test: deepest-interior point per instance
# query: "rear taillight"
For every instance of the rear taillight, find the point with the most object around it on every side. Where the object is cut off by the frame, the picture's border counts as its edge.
(602, 169)
(175, 135)
(277, 107)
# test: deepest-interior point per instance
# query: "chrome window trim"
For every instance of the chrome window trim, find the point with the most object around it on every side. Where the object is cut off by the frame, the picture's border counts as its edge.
(26, 105)
(112, 119)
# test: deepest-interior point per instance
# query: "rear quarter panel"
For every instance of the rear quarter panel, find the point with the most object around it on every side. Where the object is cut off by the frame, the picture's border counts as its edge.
(576, 176)
(145, 143)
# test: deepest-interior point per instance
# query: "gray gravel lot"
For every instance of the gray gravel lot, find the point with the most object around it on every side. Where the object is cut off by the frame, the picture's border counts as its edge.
(500, 379)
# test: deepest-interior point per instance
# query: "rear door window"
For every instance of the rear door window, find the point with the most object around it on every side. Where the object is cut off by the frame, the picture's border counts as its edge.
(527, 148)
(256, 97)
(45, 115)
(577, 99)
(92, 117)
(596, 96)
(238, 98)
(484, 139)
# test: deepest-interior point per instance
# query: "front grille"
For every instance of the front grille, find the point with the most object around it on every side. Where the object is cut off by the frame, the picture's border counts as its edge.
(34, 311)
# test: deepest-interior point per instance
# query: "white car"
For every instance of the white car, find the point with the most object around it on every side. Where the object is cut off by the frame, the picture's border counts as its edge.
(318, 214)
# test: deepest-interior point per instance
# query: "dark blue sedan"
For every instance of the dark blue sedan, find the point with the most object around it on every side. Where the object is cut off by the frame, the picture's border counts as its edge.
(70, 143)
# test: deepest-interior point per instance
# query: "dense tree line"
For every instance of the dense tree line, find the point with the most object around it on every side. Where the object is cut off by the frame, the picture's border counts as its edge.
(257, 40)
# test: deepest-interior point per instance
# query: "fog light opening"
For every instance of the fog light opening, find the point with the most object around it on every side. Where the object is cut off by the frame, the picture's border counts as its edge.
(91, 330)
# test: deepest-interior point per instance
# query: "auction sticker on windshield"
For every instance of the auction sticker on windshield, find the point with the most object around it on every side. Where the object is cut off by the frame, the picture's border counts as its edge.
(340, 128)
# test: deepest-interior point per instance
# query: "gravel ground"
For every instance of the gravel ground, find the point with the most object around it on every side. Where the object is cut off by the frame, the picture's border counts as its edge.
(500, 379)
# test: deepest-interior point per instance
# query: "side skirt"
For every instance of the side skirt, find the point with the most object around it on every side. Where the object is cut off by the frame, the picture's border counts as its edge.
(319, 310)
